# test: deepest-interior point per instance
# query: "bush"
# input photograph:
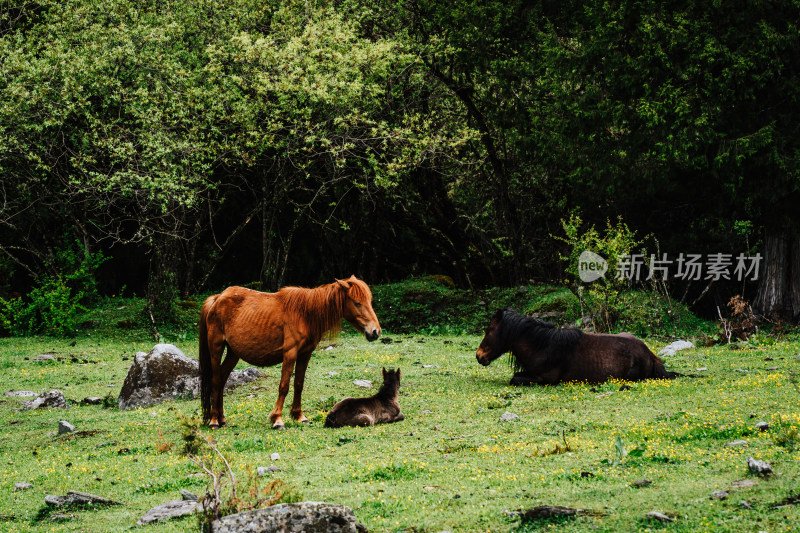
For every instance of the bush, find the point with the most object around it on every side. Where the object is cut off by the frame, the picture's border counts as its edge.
(54, 306)
(600, 298)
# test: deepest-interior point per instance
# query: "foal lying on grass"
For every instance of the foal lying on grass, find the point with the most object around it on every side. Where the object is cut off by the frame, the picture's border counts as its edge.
(380, 408)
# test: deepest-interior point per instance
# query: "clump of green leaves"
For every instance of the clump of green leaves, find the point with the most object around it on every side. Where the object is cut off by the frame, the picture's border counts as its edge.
(601, 298)
(54, 306)
(786, 435)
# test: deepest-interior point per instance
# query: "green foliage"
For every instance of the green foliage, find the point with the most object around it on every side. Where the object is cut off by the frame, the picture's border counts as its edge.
(601, 297)
(54, 307)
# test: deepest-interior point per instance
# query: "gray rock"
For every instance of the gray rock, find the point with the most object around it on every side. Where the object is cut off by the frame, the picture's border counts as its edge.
(756, 466)
(275, 456)
(188, 496)
(743, 483)
(44, 357)
(165, 511)
(262, 471)
(53, 398)
(737, 443)
(363, 383)
(674, 347)
(719, 495)
(661, 517)
(75, 497)
(508, 417)
(308, 517)
(22, 485)
(763, 426)
(166, 374)
(20, 393)
(65, 427)
(92, 400)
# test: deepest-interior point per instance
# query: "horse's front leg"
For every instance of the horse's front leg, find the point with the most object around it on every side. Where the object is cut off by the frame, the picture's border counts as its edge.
(289, 358)
(299, 380)
(522, 378)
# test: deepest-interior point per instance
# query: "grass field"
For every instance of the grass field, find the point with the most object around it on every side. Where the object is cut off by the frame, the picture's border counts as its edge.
(451, 465)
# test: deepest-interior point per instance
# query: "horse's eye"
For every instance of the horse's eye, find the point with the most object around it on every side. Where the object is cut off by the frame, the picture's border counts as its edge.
(358, 304)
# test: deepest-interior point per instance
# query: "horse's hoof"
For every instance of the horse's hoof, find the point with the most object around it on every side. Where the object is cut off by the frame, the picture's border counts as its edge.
(279, 427)
(306, 421)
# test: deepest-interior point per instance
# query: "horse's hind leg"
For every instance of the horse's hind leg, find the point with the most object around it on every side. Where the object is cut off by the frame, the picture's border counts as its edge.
(224, 373)
(289, 358)
(299, 380)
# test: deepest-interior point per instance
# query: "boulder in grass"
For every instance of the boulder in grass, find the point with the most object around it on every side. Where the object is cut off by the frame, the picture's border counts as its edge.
(308, 517)
(674, 347)
(168, 510)
(54, 399)
(167, 374)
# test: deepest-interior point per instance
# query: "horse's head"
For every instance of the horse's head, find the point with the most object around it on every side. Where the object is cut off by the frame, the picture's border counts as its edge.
(358, 307)
(489, 349)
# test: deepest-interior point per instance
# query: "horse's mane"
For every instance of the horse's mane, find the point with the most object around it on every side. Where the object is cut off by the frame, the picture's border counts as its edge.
(552, 342)
(322, 308)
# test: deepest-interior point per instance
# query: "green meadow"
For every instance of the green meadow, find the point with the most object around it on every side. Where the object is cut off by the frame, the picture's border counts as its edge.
(452, 465)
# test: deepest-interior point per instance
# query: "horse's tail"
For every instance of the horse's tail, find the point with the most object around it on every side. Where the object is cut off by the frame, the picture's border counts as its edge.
(204, 357)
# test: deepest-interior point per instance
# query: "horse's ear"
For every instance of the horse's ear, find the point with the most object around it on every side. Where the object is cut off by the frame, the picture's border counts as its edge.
(352, 278)
(398, 374)
(384, 372)
(344, 283)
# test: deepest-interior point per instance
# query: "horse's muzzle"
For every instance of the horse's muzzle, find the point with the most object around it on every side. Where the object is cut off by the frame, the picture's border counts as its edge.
(372, 335)
(482, 360)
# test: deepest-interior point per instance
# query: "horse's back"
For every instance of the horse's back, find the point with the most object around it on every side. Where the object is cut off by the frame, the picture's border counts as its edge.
(601, 356)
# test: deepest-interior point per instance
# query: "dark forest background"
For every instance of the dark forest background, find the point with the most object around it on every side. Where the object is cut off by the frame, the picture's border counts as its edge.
(160, 148)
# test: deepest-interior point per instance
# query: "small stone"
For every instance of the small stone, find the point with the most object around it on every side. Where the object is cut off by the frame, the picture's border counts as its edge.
(661, 517)
(262, 471)
(702, 369)
(44, 357)
(22, 485)
(737, 443)
(759, 467)
(333, 373)
(53, 398)
(65, 427)
(763, 426)
(508, 417)
(642, 483)
(425, 412)
(168, 510)
(430, 366)
(20, 393)
(605, 394)
(93, 400)
(188, 496)
(676, 346)
(275, 456)
(363, 383)
(745, 505)
(743, 483)
(771, 368)
(719, 495)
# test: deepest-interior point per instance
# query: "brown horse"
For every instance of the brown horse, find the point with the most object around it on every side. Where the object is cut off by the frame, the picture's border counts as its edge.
(380, 408)
(265, 329)
(545, 355)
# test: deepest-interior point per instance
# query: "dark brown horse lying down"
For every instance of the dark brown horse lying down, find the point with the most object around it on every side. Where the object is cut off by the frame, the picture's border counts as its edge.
(543, 354)
(380, 408)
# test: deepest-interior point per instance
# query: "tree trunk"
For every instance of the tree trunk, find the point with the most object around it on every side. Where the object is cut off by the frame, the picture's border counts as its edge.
(778, 295)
